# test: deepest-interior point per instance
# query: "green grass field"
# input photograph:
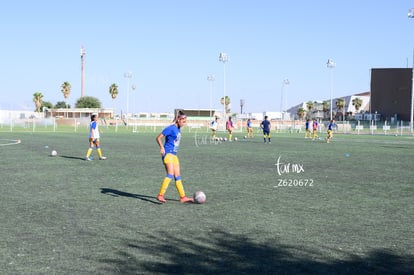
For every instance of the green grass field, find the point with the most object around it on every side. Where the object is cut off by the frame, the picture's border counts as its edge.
(64, 215)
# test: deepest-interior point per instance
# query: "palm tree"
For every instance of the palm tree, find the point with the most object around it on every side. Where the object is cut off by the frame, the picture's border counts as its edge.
(113, 90)
(309, 106)
(301, 113)
(37, 99)
(65, 89)
(340, 105)
(326, 107)
(227, 102)
(357, 103)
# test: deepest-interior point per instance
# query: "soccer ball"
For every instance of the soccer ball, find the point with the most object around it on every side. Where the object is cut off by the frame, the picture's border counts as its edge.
(225, 139)
(199, 197)
(54, 153)
(235, 139)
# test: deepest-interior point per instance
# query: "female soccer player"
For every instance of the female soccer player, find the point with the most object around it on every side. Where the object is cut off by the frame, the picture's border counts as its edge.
(265, 125)
(330, 131)
(307, 129)
(229, 128)
(315, 129)
(172, 136)
(94, 138)
(213, 127)
(249, 129)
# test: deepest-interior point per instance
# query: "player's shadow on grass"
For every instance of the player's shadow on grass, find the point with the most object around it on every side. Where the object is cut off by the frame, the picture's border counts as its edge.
(117, 193)
(72, 157)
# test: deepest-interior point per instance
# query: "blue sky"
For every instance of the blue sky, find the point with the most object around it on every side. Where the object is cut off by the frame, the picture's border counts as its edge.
(171, 46)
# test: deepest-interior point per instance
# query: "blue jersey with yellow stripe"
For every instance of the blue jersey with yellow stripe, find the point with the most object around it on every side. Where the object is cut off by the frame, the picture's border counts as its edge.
(172, 136)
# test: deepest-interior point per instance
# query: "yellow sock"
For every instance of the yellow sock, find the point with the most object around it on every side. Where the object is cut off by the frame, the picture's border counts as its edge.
(89, 152)
(164, 185)
(230, 135)
(180, 188)
(99, 152)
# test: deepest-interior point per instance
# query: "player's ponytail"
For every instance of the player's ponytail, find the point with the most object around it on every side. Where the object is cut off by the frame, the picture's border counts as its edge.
(179, 114)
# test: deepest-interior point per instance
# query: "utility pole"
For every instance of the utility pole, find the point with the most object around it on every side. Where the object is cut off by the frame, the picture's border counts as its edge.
(82, 51)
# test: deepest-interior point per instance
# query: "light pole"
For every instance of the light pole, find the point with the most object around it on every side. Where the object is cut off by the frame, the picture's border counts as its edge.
(82, 52)
(128, 76)
(411, 15)
(331, 65)
(210, 79)
(133, 87)
(223, 57)
(134, 128)
(283, 103)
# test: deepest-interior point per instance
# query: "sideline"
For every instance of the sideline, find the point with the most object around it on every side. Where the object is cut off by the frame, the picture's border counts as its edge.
(5, 142)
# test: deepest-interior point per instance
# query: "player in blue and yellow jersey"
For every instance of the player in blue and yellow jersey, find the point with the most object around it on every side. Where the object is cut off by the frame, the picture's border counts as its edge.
(265, 125)
(229, 128)
(168, 150)
(307, 129)
(94, 138)
(330, 131)
(249, 128)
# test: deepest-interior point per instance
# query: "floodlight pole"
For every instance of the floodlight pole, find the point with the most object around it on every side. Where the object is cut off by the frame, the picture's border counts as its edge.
(286, 83)
(133, 87)
(128, 76)
(223, 57)
(82, 53)
(331, 65)
(210, 79)
(411, 15)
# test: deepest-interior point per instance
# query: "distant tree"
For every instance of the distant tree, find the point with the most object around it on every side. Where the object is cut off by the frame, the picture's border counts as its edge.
(301, 113)
(309, 106)
(61, 105)
(226, 102)
(66, 89)
(357, 103)
(340, 105)
(46, 104)
(88, 102)
(326, 108)
(37, 99)
(113, 90)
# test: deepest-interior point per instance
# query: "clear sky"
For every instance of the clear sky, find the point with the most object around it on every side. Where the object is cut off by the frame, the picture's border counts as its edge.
(171, 46)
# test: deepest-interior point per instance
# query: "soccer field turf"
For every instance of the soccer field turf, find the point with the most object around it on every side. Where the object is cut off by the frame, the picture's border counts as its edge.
(292, 206)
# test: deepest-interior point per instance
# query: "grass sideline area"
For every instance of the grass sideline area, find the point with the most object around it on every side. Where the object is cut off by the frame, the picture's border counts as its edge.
(294, 206)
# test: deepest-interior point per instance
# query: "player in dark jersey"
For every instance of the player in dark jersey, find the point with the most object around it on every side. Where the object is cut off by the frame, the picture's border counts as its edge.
(265, 125)
(330, 131)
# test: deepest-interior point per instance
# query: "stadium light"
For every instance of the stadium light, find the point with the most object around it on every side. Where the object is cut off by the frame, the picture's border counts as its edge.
(210, 79)
(331, 65)
(286, 83)
(411, 15)
(128, 76)
(223, 57)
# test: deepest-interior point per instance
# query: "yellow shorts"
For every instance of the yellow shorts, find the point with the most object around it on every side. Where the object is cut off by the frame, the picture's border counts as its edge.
(170, 158)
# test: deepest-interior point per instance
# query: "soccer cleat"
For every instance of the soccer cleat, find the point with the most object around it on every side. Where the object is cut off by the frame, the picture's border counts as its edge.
(161, 198)
(186, 199)
(102, 158)
(88, 159)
